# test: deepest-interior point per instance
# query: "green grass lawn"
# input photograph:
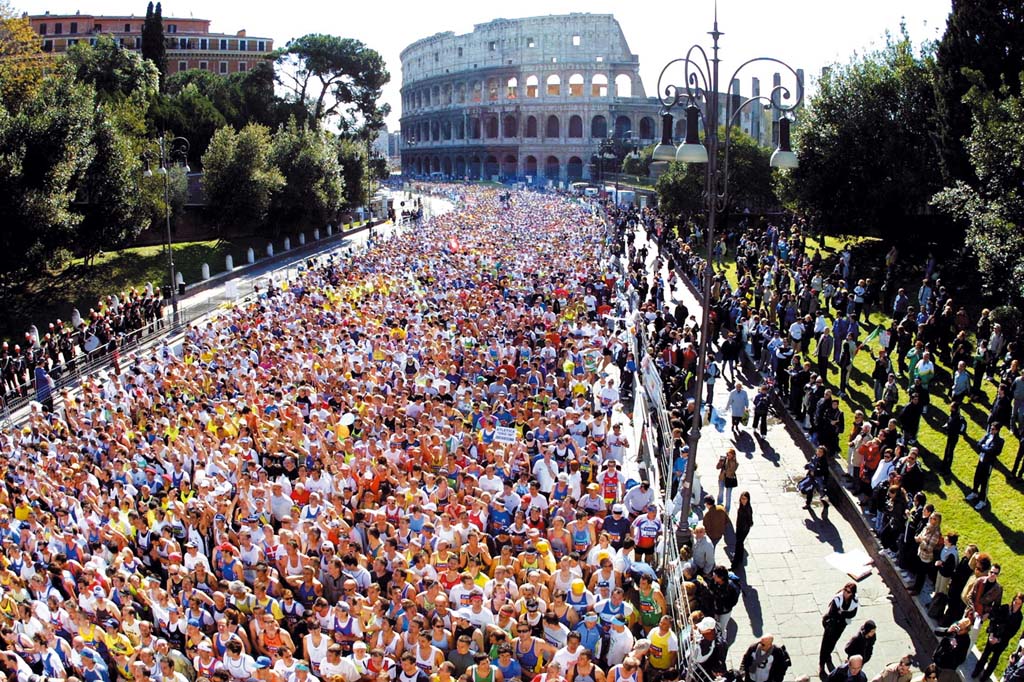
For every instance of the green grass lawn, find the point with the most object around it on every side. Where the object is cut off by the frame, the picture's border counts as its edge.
(50, 295)
(999, 528)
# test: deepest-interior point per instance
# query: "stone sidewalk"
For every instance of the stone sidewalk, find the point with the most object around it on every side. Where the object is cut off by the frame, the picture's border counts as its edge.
(788, 580)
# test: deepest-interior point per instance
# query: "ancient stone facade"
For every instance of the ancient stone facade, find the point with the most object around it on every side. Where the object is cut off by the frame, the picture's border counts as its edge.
(522, 97)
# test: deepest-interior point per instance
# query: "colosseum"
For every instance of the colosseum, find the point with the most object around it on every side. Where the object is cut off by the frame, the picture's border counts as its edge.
(521, 98)
(530, 99)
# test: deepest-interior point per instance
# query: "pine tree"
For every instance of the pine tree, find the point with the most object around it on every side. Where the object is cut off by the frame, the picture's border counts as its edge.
(153, 46)
(986, 36)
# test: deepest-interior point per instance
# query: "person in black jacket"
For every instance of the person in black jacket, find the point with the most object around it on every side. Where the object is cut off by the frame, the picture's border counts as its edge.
(955, 425)
(989, 448)
(952, 650)
(1003, 624)
(763, 655)
(910, 419)
(863, 643)
(964, 571)
(817, 470)
(841, 610)
(851, 671)
(744, 522)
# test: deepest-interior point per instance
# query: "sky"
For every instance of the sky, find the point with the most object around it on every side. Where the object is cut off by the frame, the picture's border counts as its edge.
(807, 34)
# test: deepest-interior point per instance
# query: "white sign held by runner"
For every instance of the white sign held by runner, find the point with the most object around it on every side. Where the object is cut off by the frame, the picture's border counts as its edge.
(504, 434)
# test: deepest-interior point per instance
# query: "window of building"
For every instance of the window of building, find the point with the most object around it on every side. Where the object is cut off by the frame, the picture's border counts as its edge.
(47, 46)
(459, 51)
(92, 41)
(74, 27)
(120, 42)
(42, 29)
(242, 67)
(493, 46)
(58, 28)
(72, 42)
(575, 41)
(138, 43)
(203, 43)
(262, 46)
(437, 57)
(127, 28)
(223, 44)
(204, 66)
(243, 45)
(554, 60)
(600, 59)
(530, 42)
(183, 43)
(98, 28)
(223, 67)
(172, 28)
(182, 66)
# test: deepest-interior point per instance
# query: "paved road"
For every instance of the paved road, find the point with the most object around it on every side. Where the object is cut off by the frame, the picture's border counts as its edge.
(788, 578)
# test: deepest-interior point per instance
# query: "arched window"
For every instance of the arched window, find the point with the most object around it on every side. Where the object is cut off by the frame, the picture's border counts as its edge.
(530, 166)
(554, 85)
(622, 126)
(551, 168)
(492, 89)
(574, 169)
(532, 87)
(509, 127)
(623, 86)
(509, 166)
(435, 131)
(576, 85)
(599, 127)
(531, 127)
(512, 88)
(575, 126)
(446, 94)
(474, 128)
(552, 127)
(460, 93)
(490, 166)
(646, 128)
(476, 90)
(491, 130)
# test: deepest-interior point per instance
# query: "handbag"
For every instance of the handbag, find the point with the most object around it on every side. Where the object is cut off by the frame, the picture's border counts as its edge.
(730, 482)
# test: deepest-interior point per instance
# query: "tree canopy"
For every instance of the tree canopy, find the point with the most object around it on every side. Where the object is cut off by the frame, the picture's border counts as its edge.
(153, 46)
(867, 158)
(335, 77)
(983, 37)
(21, 58)
(993, 208)
(240, 176)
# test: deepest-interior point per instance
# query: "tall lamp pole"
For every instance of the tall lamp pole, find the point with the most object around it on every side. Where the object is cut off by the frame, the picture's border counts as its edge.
(171, 151)
(699, 96)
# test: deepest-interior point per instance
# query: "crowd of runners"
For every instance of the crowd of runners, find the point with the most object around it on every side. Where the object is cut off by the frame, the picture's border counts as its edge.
(402, 466)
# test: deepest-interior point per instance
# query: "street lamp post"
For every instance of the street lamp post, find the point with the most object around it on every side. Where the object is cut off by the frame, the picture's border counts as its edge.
(170, 151)
(699, 95)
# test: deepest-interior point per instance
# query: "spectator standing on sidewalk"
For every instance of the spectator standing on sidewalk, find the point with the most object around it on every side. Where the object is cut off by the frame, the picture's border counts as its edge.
(762, 405)
(952, 650)
(1003, 625)
(727, 468)
(955, 426)
(715, 520)
(765, 662)
(851, 671)
(900, 671)
(840, 612)
(744, 522)
(738, 403)
(863, 642)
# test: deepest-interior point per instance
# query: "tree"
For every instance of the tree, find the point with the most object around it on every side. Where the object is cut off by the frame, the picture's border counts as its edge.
(867, 159)
(994, 208)
(353, 170)
(113, 209)
(333, 76)
(154, 48)
(188, 113)
(681, 187)
(313, 189)
(21, 59)
(985, 37)
(241, 98)
(240, 177)
(45, 149)
(639, 164)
